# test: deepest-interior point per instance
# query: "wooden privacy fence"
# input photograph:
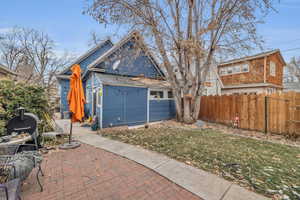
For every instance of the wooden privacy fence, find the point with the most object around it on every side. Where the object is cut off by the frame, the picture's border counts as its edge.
(276, 113)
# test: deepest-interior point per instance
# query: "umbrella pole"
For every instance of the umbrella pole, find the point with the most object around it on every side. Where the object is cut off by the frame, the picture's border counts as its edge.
(71, 130)
(71, 144)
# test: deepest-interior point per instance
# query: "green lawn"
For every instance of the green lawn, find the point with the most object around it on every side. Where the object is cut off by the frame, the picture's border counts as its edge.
(267, 168)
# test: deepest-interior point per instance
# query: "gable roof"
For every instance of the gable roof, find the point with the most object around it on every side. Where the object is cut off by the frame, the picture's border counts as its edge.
(87, 54)
(5, 69)
(119, 45)
(256, 56)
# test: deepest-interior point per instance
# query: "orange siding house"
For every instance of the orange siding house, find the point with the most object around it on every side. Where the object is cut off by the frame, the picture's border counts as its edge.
(253, 74)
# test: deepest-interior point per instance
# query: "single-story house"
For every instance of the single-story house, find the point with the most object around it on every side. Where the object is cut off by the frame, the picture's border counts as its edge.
(123, 84)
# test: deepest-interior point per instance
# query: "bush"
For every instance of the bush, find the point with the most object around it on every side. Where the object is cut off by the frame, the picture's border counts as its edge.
(31, 97)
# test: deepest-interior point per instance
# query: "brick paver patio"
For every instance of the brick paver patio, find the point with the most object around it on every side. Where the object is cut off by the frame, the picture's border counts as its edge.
(90, 173)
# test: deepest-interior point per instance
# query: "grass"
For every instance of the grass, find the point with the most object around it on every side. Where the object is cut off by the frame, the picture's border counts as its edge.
(266, 168)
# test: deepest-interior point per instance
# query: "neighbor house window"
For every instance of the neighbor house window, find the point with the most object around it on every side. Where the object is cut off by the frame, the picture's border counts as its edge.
(236, 69)
(156, 94)
(272, 68)
(229, 70)
(245, 68)
(223, 71)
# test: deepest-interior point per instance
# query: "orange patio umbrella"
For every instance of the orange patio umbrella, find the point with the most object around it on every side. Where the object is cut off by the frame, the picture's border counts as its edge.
(76, 98)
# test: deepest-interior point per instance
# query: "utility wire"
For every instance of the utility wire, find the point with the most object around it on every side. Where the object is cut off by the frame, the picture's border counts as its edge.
(292, 49)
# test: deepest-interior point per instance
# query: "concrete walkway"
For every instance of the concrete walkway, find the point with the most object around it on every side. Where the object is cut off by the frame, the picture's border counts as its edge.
(203, 184)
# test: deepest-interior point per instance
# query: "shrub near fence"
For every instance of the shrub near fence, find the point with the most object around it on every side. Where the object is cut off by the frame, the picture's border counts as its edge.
(276, 113)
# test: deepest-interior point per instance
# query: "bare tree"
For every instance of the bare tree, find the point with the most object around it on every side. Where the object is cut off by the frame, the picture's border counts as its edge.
(294, 68)
(10, 49)
(186, 35)
(94, 39)
(32, 54)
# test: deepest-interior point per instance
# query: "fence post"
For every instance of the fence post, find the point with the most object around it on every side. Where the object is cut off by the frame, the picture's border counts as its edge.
(266, 114)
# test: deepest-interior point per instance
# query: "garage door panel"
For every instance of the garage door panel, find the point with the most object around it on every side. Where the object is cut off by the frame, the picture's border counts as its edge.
(124, 105)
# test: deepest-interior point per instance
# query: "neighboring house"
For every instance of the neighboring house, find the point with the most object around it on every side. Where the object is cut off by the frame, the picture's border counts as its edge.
(253, 74)
(213, 83)
(7, 73)
(290, 82)
(123, 84)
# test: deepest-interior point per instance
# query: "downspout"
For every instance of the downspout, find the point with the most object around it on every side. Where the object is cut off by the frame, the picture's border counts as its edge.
(265, 69)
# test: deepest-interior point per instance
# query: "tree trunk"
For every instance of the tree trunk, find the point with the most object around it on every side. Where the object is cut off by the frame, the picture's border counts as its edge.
(187, 111)
(178, 105)
(197, 104)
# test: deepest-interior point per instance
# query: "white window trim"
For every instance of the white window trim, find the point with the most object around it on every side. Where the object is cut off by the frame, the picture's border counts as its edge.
(165, 95)
(271, 71)
(232, 67)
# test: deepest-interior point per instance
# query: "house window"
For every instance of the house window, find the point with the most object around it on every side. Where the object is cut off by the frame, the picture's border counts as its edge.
(245, 68)
(229, 70)
(236, 69)
(161, 94)
(116, 64)
(223, 71)
(170, 95)
(156, 94)
(272, 68)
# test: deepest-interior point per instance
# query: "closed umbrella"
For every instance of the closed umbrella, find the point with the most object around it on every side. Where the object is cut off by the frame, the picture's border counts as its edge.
(76, 102)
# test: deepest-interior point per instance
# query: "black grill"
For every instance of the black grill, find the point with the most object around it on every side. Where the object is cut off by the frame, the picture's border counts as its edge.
(23, 123)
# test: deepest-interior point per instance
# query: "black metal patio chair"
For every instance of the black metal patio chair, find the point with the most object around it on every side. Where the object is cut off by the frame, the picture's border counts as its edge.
(10, 187)
(24, 158)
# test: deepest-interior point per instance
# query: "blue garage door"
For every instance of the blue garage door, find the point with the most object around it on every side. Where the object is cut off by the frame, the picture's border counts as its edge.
(124, 106)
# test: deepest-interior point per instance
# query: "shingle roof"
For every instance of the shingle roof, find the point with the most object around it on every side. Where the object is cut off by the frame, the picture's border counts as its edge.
(260, 55)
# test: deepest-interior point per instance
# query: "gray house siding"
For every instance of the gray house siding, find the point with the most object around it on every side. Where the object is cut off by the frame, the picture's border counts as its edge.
(87, 83)
(161, 110)
(84, 63)
(64, 89)
(115, 101)
(88, 96)
(131, 63)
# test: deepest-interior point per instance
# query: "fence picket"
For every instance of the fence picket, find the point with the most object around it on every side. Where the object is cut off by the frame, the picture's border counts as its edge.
(283, 111)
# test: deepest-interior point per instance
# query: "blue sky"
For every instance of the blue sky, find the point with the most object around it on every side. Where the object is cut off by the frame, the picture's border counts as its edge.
(64, 22)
